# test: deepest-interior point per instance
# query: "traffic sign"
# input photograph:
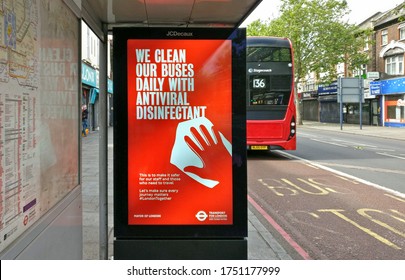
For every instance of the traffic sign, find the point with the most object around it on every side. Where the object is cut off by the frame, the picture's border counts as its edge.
(350, 90)
(373, 75)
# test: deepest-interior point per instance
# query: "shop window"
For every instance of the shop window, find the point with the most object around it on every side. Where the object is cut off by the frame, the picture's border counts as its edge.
(395, 109)
(394, 65)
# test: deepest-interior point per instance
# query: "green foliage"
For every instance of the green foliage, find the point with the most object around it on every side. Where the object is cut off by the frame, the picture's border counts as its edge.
(320, 38)
(399, 11)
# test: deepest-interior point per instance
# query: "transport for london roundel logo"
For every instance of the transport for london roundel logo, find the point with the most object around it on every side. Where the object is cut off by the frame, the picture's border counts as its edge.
(201, 216)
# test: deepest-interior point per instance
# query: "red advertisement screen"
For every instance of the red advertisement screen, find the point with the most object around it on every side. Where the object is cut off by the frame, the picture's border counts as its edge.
(179, 132)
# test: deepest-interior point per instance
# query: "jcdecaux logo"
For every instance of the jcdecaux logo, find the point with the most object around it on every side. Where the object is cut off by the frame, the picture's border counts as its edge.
(174, 33)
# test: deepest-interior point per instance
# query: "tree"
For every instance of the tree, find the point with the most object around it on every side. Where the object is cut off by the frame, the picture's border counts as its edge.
(320, 38)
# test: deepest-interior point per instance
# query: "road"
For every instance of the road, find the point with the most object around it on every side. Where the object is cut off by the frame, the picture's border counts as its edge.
(318, 213)
(377, 160)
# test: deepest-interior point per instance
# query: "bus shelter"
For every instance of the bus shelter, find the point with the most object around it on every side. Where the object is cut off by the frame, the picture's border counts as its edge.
(155, 14)
(42, 81)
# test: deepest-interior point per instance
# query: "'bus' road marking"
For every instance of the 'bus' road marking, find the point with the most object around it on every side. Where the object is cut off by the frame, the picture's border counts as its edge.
(284, 187)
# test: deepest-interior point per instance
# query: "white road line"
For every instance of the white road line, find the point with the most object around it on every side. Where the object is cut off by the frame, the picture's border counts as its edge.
(389, 155)
(373, 169)
(350, 143)
(326, 142)
(382, 149)
(397, 193)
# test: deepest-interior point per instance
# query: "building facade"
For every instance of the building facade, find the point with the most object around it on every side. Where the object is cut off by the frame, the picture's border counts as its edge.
(389, 55)
(90, 77)
(383, 77)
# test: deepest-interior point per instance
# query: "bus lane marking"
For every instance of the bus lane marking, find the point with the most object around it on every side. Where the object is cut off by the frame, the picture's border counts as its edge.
(321, 190)
(363, 212)
(284, 187)
(280, 187)
(329, 187)
(297, 216)
(362, 181)
(338, 213)
(394, 197)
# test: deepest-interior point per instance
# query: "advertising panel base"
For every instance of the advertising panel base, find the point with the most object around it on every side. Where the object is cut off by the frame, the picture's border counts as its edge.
(161, 249)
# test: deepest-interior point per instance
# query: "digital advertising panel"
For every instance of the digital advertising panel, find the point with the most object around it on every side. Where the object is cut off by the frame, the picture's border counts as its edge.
(179, 132)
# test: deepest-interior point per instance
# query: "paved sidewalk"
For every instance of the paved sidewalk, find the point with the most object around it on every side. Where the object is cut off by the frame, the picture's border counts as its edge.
(375, 131)
(261, 243)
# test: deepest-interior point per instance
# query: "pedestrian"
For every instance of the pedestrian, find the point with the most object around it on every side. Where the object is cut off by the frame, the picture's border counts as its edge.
(85, 115)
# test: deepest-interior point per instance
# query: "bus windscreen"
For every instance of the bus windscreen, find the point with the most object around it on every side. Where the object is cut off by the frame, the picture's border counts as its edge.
(270, 109)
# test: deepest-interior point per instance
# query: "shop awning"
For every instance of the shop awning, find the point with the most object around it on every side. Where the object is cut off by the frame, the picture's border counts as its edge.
(93, 95)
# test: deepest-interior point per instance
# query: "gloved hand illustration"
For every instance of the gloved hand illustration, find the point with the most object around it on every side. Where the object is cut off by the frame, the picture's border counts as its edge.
(197, 149)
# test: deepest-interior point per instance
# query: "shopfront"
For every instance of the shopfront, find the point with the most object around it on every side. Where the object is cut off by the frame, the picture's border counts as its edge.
(89, 89)
(392, 103)
(328, 105)
(90, 92)
(310, 105)
(89, 81)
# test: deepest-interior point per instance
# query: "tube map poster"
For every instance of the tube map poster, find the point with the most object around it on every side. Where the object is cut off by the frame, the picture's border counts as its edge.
(179, 132)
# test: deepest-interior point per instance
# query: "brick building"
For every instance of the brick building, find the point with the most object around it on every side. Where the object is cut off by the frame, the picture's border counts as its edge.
(384, 78)
(388, 58)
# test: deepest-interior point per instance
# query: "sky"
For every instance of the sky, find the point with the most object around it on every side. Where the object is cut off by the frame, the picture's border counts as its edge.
(360, 9)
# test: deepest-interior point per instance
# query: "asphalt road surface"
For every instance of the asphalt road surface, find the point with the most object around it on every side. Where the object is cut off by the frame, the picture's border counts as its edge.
(377, 160)
(317, 213)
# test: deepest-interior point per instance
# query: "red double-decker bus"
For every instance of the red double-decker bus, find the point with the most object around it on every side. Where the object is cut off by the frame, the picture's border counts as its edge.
(271, 109)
